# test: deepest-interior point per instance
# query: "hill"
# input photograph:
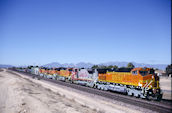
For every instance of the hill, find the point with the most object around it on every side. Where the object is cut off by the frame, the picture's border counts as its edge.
(119, 64)
(5, 66)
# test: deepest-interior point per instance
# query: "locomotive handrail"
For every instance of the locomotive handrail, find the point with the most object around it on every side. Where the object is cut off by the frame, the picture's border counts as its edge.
(149, 84)
(145, 85)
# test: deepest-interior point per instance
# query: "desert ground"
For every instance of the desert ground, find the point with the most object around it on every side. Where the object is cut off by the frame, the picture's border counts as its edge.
(22, 94)
(165, 84)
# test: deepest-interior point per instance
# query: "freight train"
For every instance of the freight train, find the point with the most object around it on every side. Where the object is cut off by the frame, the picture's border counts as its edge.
(138, 82)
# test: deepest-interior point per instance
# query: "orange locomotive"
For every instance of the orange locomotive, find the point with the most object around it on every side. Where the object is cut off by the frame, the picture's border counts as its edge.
(63, 73)
(48, 73)
(140, 82)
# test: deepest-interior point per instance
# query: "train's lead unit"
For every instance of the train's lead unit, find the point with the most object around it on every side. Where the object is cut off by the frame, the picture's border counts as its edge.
(140, 82)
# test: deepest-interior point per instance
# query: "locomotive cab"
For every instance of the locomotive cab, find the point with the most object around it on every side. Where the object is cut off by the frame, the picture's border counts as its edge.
(148, 82)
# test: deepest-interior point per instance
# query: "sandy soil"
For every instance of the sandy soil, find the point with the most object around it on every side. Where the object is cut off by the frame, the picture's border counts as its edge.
(165, 84)
(21, 94)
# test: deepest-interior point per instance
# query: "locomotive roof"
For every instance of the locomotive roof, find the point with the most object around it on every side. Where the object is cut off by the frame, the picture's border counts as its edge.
(141, 69)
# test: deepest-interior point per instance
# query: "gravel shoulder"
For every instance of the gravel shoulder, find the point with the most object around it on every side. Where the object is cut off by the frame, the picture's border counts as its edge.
(165, 84)
(22, 94)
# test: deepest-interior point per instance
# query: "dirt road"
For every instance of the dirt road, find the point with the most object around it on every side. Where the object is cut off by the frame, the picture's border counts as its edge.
(22, 94)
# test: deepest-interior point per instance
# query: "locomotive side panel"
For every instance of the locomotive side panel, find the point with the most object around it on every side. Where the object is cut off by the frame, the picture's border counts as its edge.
(84, 75)
(121, 78)
(64, 73)
(102, 77)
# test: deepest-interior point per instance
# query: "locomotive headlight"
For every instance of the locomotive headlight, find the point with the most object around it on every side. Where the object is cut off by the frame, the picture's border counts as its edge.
(140, 84)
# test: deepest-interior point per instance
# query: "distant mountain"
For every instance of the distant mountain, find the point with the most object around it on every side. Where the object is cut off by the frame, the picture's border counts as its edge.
(84, 65)
(5, 66)
(78, 65)
(89, 65)
(124, 64)
(119, 64)
(158, 66)
(53, 64)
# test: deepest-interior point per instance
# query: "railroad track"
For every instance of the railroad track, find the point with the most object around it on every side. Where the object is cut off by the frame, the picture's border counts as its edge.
(164, 106)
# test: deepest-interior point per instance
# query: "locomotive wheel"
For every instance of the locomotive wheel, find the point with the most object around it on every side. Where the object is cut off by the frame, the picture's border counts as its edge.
(128, 92)
(159, 97)
(138, 96)
(148, 97)
(38, 78)
(94, 86)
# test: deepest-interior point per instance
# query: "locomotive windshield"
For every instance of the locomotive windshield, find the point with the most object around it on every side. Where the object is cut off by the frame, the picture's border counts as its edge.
(143, 73)
(151, 71)
(70, 69)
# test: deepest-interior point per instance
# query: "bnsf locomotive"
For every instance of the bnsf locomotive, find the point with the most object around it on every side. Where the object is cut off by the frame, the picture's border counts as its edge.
(138, 82)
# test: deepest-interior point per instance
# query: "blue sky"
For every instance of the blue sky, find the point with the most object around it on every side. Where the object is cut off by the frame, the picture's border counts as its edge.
(36, 32)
